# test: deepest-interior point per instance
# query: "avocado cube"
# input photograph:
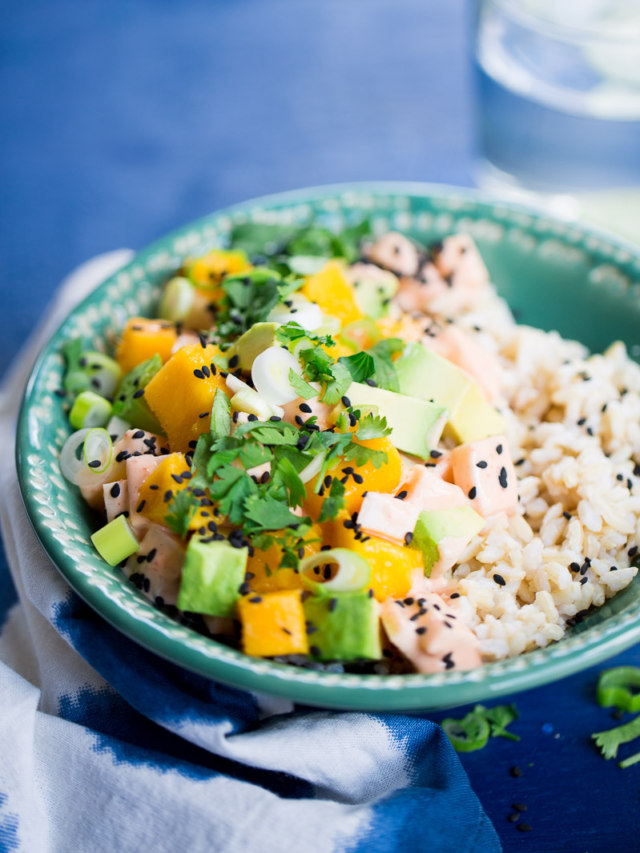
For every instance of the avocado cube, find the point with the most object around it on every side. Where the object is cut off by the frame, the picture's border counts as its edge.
(343, 626)
(416, 425)
(454, 527)
(255, 340)
(211, 577)
(425, 374)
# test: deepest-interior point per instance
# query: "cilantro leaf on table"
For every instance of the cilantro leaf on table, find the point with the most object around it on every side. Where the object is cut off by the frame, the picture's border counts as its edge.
(499, 718)
(180, 512)
(609, 740)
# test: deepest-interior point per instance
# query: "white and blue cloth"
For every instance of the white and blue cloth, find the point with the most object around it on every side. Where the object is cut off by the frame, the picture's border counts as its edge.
(106, 747)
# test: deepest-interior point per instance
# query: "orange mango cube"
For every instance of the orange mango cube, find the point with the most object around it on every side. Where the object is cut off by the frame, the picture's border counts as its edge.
(183, 391)
(143, 338)
(331, 290)
(273, 623)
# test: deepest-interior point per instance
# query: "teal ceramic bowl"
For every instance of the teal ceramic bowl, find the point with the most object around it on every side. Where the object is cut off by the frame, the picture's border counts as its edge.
(555, 275)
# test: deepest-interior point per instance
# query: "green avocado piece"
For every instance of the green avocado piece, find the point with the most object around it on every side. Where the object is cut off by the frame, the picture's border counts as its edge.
(425, 374)
(134, 409)
(211, 576)
(374, 292)
(416, 425)
(255, 340)
(434, 526)
(346, 626)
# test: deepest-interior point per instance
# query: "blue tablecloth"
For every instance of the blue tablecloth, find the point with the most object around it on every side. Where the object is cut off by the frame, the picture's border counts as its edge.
(122, 121)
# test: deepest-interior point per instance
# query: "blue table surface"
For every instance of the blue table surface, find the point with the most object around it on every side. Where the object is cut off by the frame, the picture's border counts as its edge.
(121, 121)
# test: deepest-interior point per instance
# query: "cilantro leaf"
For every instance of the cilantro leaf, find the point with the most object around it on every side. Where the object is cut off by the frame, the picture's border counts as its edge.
(271, 433)
(609, 741)
(303, 388)
(180, 512)
(285, 471)
(248, 299)
(372, 426)
(267, 513)
(499, 718)
(361, 455)
(221, 416)
(338, 384)
(334, 501)
(231, 489)
(384, 371)
(360, 365)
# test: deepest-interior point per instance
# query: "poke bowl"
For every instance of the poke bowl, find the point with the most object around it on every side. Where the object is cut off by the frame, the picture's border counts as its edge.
(543, 584)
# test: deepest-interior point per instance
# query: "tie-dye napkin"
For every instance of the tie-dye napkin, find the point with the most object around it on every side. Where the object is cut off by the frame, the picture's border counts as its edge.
(106, 747)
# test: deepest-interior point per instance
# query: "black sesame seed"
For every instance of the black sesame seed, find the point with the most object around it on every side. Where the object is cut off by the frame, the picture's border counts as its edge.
(168, 495)
(198, 374)
(516, 771)
(575, 567)
(499, 580)
(256, 599)
(567, 515)
(114, 491)
(481, 464)
(447, 661)
(346, 402)
(499, 449)
(520, 807)
(435, 454)
(408, 536)
(402, 495)
(305, 407)
(95, 463)
(206, 370)
(333, 603)
(455, 595)
(472, 493)
(139, 433)
(632, 551)
(140, 506)
(233, 361)
(502, 478)
(139, 393)
(514, 817)
(315, 651)
(421, 630)
(524, 827)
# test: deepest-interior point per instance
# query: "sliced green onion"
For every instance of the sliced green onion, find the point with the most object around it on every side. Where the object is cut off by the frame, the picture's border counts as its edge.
(314, 467)
(306, 264)
(115, 541)
(72, 462)
(270, 375)
(177, 299)
(94, 371)
(98, 449)
(469, 733)
(354, 572)
(249, 401)
(89, 410)
(303, 312)
(615, 688)
(117, 428)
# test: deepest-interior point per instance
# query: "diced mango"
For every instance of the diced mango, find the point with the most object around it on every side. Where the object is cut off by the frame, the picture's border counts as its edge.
(263, 565)
(161, 486)
(273, 624)
(143, 338)
(182, 391)
(383, 479)
(392, 566)
(331, 290)
(208, 270)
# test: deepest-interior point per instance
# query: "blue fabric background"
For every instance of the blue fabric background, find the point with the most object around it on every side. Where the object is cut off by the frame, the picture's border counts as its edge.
(121, 120)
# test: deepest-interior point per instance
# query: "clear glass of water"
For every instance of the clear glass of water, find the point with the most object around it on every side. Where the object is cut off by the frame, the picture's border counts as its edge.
(558, 95)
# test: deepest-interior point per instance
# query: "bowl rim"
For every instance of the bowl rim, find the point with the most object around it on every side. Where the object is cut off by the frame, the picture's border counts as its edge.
(412, 692)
